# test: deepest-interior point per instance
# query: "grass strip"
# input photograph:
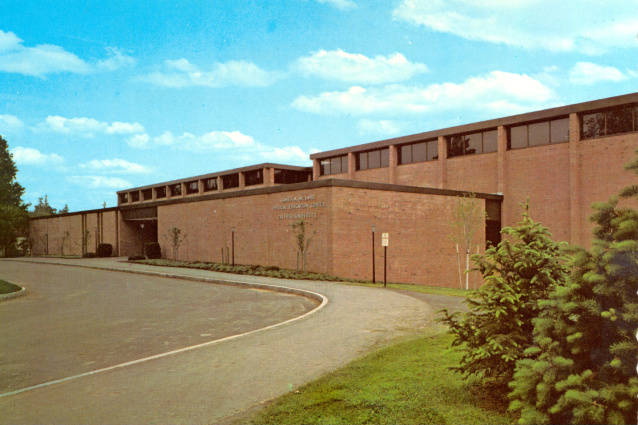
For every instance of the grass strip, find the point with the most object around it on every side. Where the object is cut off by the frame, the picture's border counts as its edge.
(7, 288)
(408, 383)
(276, 272)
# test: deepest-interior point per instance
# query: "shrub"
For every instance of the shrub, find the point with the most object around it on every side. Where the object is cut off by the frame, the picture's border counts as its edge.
(89, 255)
(497, 329)
(104, 250)
(153, 250)
(582, 364)
(136, 257)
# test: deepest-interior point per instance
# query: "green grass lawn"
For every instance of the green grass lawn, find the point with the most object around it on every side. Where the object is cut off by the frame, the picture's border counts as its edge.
(277, 272)
(408, 383)
(7, 288)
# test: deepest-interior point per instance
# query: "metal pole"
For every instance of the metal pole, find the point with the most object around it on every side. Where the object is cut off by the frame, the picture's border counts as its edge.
(385, 266)
(373, 268)
(232, 240)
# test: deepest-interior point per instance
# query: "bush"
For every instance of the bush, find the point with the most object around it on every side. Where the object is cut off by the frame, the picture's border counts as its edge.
(153, 250)
(89, 255)
(521, 270)
(104, 250)
(583, 370)
(136, 257)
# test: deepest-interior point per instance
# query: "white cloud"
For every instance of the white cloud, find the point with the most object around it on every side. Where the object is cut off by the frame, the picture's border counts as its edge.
(498, 91)
(340, 4)
(10, 122)
(182, 73)
(358, 68)
(220, 142)
(591, 73)
(88, 127)
(45, 59)
(96, 182)
(115, 166)
(378, 127)
(115, 60)
(139, 141)
(30, 156)
(589, 26)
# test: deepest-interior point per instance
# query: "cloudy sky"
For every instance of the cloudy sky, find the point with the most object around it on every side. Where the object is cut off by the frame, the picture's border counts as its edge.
(97, 96)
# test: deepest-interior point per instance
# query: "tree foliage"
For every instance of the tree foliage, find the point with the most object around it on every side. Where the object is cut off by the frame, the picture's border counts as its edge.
(42, 208)
(581, 367)
(13, 213)
(497, 329)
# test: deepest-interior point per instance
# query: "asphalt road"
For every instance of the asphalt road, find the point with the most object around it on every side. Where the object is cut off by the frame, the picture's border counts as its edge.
(74, 320)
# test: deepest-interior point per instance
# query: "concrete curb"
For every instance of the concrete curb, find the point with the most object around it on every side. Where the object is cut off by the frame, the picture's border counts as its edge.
(12, 295)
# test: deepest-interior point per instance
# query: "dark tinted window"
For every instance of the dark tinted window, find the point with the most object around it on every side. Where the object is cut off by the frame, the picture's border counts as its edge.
(473, 143)
(160, 192)
(433, 150)
(210, 184)
(609, 121)
(518, 137)
(419, 152)
(334, 165)
(405, 154)
(290, 176)
(559, 130)
(455, 146)
(192, 187)
(176, 189)
(490, 141)
(230, 180)
(374, 159)
(253, 177)
(385, 157)
(135, 196)
(538, 133)
(147, 194)
(123, 198)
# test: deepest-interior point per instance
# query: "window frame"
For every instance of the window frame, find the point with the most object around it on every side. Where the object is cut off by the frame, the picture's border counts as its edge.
(550, 133)
(325, 165)
(363, 159)
(461, 136)
(631, 107)
(431, 145)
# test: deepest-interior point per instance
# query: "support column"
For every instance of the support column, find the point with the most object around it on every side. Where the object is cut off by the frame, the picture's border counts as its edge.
(442, 145)
(500, 158)
(220, 183)
(393, 162)
(352, 165)
(242, 180)
(574, 180)
(315, 169)
(269, 176)
(200, 186)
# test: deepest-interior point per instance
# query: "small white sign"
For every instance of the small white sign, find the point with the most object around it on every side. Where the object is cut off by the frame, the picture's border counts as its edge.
(385, 238)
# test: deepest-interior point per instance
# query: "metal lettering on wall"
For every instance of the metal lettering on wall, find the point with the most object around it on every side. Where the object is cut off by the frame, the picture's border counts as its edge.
(297, 203)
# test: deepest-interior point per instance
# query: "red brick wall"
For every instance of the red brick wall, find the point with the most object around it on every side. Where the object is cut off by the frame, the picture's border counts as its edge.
(420, 249)
(477, 173)
(261, 236)
(541, 174)
(426, 174)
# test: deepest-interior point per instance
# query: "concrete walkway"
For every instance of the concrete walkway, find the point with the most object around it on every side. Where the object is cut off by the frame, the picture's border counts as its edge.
(214, 382)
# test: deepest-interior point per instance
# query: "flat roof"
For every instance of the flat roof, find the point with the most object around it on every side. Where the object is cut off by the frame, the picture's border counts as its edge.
(221, 173)
(485, 125)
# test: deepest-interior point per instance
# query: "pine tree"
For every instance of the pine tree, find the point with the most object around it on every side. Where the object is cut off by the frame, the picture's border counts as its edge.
(497, 329)
(582, 364)
(13, 213)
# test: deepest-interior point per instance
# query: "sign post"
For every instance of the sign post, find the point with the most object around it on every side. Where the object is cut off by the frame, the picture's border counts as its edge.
(385, 241)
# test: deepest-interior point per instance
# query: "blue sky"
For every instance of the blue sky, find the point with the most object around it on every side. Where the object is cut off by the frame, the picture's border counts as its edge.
(99, 96)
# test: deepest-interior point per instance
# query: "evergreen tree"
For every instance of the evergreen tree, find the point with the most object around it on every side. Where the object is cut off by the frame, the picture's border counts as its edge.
(13, 213)
(581, 368)
(10, 190)
(497, 329)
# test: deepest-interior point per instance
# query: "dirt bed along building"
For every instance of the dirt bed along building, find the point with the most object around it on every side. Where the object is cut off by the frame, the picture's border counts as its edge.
(561, 159)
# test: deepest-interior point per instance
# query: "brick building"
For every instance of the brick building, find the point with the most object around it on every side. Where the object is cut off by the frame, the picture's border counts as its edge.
(561, 159)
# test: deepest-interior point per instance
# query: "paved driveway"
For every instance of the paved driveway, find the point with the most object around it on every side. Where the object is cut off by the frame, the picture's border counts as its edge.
(204, 385)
